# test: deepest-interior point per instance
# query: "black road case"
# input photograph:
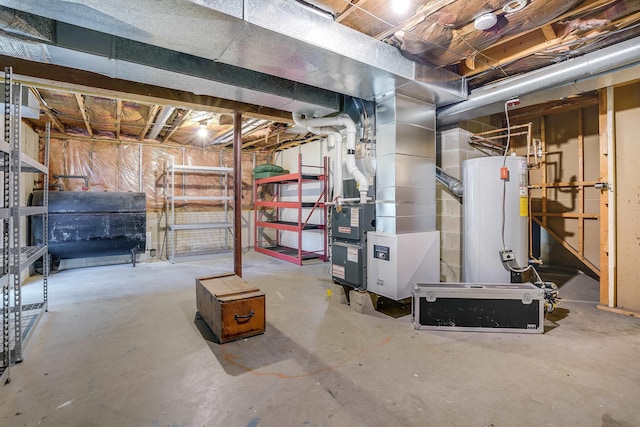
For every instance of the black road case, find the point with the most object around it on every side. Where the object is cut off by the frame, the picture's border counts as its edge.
(512, 307)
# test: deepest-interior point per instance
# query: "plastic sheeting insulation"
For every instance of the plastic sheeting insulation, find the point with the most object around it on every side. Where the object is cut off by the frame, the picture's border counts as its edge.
(115, 167)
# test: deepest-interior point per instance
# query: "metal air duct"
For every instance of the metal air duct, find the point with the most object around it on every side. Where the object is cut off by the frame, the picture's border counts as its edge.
(278, 38)
(453, 185)
(406, 165)
(17, 24)
(490, 99)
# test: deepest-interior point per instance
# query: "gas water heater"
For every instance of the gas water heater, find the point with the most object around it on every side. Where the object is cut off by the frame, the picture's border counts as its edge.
(495, 211)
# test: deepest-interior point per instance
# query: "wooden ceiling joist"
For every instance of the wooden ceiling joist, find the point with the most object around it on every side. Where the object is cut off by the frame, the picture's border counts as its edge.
(535, 43)
(424, 12)
(523, 44)
(118, 117)
(548, 32)
(351, 7)
(152, 115)
(83, 111)
(48, 112)
(58, 78)
(248, 133)
(265, 139)
(177, 122)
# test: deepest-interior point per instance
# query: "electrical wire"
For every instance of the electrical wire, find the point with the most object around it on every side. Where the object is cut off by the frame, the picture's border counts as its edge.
(506, 147)
(438, 45)
(504, 181)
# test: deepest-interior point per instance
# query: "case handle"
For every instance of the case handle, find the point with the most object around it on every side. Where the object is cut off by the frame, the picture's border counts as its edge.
(245, 317)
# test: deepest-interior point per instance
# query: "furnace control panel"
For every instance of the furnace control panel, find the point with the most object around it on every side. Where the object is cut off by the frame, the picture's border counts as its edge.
(381, 252)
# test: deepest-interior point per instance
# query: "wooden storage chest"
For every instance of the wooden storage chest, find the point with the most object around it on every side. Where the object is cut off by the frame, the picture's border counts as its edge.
(232, 308)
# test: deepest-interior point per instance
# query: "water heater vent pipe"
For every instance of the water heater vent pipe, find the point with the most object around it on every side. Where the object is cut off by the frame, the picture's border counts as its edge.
(454, 185)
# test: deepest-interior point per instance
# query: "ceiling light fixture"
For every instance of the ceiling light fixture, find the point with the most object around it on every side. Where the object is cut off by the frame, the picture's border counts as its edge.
(400, 6)
(485, 22)
(514, 6)
(202, 132)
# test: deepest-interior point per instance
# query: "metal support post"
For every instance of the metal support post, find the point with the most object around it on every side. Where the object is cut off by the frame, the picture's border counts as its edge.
(15, 95)
(6, 349)
(237, 187)
(45, 219)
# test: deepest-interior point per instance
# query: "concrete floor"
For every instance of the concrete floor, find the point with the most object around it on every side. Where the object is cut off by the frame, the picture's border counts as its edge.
(120, 347)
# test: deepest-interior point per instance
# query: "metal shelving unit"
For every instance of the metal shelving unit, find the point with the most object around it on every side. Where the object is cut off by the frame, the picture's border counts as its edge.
(273, 217)
(174, 227)
(18, 319)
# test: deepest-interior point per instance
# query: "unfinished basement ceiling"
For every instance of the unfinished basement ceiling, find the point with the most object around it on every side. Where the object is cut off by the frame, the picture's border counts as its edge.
(527, 34)
(436, 34)
(77, 115)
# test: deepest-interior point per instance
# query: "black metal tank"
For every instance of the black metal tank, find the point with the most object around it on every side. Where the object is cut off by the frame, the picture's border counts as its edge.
(90, 224)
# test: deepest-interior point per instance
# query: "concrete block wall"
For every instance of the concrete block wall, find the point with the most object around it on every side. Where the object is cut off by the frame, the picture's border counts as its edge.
(454, 148)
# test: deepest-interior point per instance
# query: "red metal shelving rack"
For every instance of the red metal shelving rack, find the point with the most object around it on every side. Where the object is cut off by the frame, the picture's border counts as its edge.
(305, 209)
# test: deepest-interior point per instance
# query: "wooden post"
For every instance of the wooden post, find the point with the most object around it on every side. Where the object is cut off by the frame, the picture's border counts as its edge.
(237, 193)
(543, 169)
(581, 188)
(604, 200)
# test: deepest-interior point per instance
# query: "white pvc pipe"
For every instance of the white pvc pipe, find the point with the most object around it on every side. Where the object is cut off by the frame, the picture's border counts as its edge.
(336, 137)
(323, 122)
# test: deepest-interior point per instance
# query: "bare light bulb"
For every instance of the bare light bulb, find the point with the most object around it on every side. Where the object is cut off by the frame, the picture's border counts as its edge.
(400, 6)
(202, 132)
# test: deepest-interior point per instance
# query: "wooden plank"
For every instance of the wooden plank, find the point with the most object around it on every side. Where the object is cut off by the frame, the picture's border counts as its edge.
(273, 135)
(351, 7)
(610, 129)
(624, 233)
(604, 200)
(248, 133)
(566, 215)
(527, 114)
(421, 14)
(619, 310)
(510, 52)
(175, 125)
(225, 285)
(118, 117)
(149, 122)
(297, 142)
(567, 184)
(543, 169)
(57, 78)
(586, 6)
(570, 248)
(548, 32)
(522, 44)
(581, 179)
(48, 111)
(83, 111)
